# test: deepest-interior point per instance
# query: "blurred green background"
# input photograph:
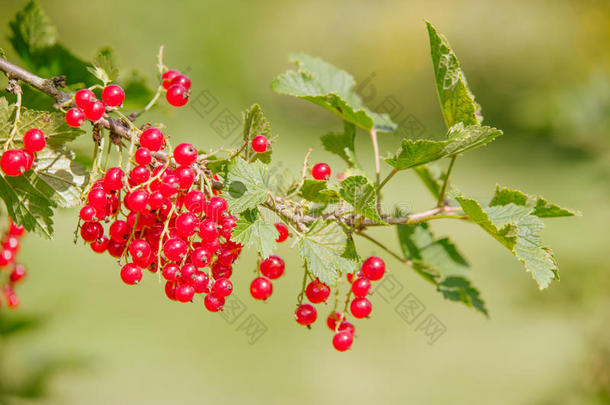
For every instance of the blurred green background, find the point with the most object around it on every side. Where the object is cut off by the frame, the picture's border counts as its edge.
(540, 69)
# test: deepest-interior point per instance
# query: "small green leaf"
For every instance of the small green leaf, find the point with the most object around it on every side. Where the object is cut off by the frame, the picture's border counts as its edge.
(317, 191)
(342, 144)
(542, 208)
(65, 178)
(135, 85)
(332, 88)
(14, 324)
(247, 185)
(31, 30)
(255, 124)
(251, 230)
(457, 101)
(432, 176)
(505, 233)
(360, 193)
(104, 66)
(322, 248)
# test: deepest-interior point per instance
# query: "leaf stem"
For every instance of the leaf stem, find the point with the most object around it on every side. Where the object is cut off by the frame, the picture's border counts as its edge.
(441, 195)
(381, 245)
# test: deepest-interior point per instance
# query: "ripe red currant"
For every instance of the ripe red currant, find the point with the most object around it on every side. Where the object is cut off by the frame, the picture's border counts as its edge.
(361, 286)
(177, 95)
(139, 175)
(113, 179)
(360, 307)
(137, 200)
(332, 320)
(200, 282)
(306, 314)
(175, 249)
(140, 249)
(168, 76)
(201, 257)
(119, 231)
(194, 201)
(184, 293)
(87, 213)
(213, 303)
(373, 268)
(186, 177)
(152, 139)
(317, 291)
(260, 143)
(143, 156)
(186, 224)
(185, 154)
(223, 287)
(347, 327)
(100, 245)
(187, 272)
(113, 95)
(131, 274)
(342, 341)
(208, 230)
(283, 232)
(181, 80)
(34, 140)
(272, 267)
(116, 249)
(261, 288)
(13, 162)
(215, 208)
(170, 271)
(83, 98)
(75, 117)
(321, 171)
(95, 111)
(18, 273)
(16, 230)
(91, 231)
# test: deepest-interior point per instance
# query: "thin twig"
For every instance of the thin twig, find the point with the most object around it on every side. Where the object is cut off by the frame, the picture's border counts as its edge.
(441, 196)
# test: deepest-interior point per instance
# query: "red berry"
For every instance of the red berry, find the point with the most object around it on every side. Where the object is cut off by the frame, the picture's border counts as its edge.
(283, 232)
(13, 162)
(95, 111)
(181, 80)
(215, 208)
(186, 177)
(223, 287)
(100, 245)
(143, 156)
(170, 272)
(201, 256)
(187, 272)
(116, 249)
(213, 303)
(332, 320)
(152, 139)
(306, 314)
(87, 213)
(168, 76)
(321, 171)
(170, 290)
(226, 226)
(347, 327)
(75, 117)
(34, 140)
(361, 287)
(184, 293)
(200, 282)
(361, 307)
(91, 231)
(84, 98)
(18, 273)
(177, 95)
(194, 201)
(272, 267)
(113, 95)
(97, 198)
(175, 249)
(119, 231)
(140, 250)
(373, 268)
(7, 256)
(113, 179)
(261, 288)
(186, 224)
(260, 143)
(137, 200)
(220, 271)
(16, 230)
(208, 230)
(12, 300)
(185, 154)
(317, 291)
(342, 341)
(131, 274)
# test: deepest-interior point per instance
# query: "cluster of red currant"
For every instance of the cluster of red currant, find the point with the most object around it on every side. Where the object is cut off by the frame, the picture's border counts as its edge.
(89, 107)
(178, 87)
(15, 162)
(10, 271)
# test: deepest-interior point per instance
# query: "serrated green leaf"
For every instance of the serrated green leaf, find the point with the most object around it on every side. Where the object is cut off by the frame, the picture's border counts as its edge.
(322, 248)
(317, 191)
(251, 230)
(65, 177)
(457, 101)
(332, 88)
(460, 139)
(248, 185)
(104, 66)
(519, 230)
(460, 289)
(255, 124)
(360, 193)
(542, 208)
(342, 144)
(432, 176)
(31, 30)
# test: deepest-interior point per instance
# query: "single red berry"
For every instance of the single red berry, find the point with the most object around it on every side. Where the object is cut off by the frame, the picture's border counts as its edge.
(95, 111)
(87, 213)
(34, 140)
(347, 327)
(283, 232)
(100, 245)
(223, 287)
(184, 293)
(208, 230)
(261, 288)
(213, 303)
(137, 200)
(7, 256)
(186, 224)
(361, 307)
(13, 162)
(113, 95)
(321, 171)
(139, 249)
(187, 272)
(143, 156)
(152, 139)
(226, 226)
(175, 249)
(170, 290)
(194, 201)
(373, 268)
(12, 300)
(131, 274)
(306, 314)
(75, 117)
(168, 76)
(201, 257)
(215, 208)
(139, 175)
(97, 198)
(200, 282)
(342, 341)
(11, 242)
(170, 272)
(272, 267)
(220, 271)
(91, 231)
(361, 287)
(317, 291)
(260, 144)
(84, 98)
(186, 177)
(332, 320)
(18, 273)
(119, 231)
(156, 200)
(116, 249)
(16, 230)
(181, 80)
(113, 179)
(185, 154)
(177, 95)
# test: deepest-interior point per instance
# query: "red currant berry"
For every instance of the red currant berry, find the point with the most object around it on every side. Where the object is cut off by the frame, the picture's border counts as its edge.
(272, 267)
(131, 274)
(139, 175)
(361, 307)
(170, 290)
(317, 291)
(201, 257)
(215, 208)
(113, 179)
(113, 95)
(95, 111)
(119, 231)
(208, 230)
(13, 162)
(185, 154)
(220, 271)
(347, 327)
(184, 293)
(200, 282)
(361, 287)
(213, 303)
(226, 226)
(16, 230)
(194, 201)
(306, 314)
(34, 140)
(332, 320)
(373, 268)
(84, 98)
(283, 232)
(152, 139)
(261, 288)
(186, 224)
(342, 341)
(321, 171)
(260, 144)
(91, 231)
(186, 177)
(170, 272)
(100, 245)
(12, 300)
(97, 198)
(187, 272)
(181, 80)
(175, 249)
(223, 287)
(143, 156)
(18, 273)
(137, 200)
(168, 76)
(11, 243)
(116, 249)
(75, 117)
(139, 249)
(87, 213)
(177, 95)
(156, 200)
(7, 256)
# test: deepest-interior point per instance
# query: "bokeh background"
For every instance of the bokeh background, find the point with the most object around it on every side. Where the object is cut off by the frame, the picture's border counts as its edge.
(540, 69)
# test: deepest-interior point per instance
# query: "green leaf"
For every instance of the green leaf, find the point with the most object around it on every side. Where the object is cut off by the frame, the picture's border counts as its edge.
(65, 178)
(459, 139)
(432, 176)
(14, 324)
(519, 230)
(439, 262)
(542, 208)
(360, 193)
(332, 88)
(255, 124)
(457, 101)
(247, 185)
(251, 230)
(31, 30)
(135, 85)
(317, 191)
(322, 248)
(2, 53)
(104, 66)
(342, 144)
